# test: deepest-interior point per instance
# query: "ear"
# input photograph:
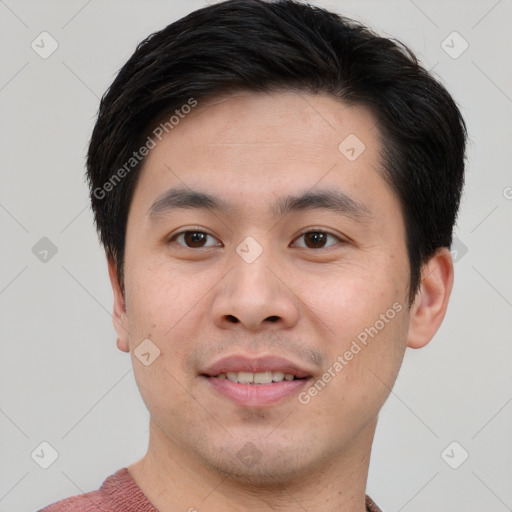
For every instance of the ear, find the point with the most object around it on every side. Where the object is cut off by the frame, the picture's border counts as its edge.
(119, 314)
(431, 300)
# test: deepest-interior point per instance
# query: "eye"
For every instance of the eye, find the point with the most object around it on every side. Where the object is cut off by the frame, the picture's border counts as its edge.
(317, 239)
(194, 239)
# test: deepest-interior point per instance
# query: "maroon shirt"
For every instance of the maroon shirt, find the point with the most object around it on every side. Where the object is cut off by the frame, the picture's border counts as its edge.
(120, 493)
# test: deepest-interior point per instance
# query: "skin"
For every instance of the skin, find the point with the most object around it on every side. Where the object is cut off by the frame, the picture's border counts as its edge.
(295, 300)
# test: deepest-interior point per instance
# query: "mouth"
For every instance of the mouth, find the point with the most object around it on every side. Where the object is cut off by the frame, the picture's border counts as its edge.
(258, 378)
(256, 382)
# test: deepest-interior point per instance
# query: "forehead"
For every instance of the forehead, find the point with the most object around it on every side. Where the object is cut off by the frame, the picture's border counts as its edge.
(293, 122)
(254, 147)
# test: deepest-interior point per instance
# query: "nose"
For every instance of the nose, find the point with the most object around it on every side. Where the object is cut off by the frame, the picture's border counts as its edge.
(255, 296)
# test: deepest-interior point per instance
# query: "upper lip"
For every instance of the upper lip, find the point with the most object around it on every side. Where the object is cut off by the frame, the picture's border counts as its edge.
(270, 363)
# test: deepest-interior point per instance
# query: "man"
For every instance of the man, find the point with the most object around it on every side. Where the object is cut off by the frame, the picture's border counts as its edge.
(275, 187)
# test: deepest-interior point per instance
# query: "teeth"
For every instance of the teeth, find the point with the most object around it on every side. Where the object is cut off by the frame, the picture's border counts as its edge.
(256, 378)
(263, 378)
(246, 377)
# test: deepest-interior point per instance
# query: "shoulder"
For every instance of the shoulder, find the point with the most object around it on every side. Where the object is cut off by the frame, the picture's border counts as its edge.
(88, 502)
(94, 501)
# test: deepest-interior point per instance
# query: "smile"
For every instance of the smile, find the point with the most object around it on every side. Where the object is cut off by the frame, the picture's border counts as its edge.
(256, 378)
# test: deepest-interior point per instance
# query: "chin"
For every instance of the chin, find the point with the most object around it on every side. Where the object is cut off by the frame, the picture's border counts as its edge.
(260, 467)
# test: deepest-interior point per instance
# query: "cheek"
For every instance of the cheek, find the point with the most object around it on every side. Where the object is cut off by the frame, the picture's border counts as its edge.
(364, 358)
(351, 295)
(162, 306)
(362, 312)
(158, 297)
(168, 307)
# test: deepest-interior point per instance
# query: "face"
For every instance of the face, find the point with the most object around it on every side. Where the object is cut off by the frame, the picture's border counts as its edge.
(263, 244)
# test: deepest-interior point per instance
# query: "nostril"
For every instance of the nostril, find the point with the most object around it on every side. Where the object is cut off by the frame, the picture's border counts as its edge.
(273, 319)
(232, 319)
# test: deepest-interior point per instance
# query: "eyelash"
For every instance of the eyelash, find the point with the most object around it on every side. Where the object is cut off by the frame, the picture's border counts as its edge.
(175, 236)
(321, 231)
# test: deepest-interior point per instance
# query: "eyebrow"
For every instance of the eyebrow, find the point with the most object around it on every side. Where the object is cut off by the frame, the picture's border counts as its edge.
(331, 199)
(182, 198)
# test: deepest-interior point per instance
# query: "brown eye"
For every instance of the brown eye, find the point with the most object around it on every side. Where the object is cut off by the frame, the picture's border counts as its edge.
(194, 239)
(317, 240)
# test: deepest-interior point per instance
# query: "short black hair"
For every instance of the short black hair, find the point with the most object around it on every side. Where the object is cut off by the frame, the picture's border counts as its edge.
(265, 46)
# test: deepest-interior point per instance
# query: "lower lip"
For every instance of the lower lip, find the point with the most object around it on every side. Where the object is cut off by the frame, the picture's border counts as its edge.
(256, 395)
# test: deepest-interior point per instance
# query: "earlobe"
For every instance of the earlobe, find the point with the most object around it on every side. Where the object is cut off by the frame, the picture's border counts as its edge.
(431, 302)
(119, 313)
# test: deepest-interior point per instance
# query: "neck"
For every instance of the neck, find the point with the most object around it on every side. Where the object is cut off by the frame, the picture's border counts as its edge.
(172, 480)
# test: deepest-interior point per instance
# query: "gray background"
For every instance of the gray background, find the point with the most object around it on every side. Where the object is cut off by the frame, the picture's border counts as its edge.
(62, 379)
